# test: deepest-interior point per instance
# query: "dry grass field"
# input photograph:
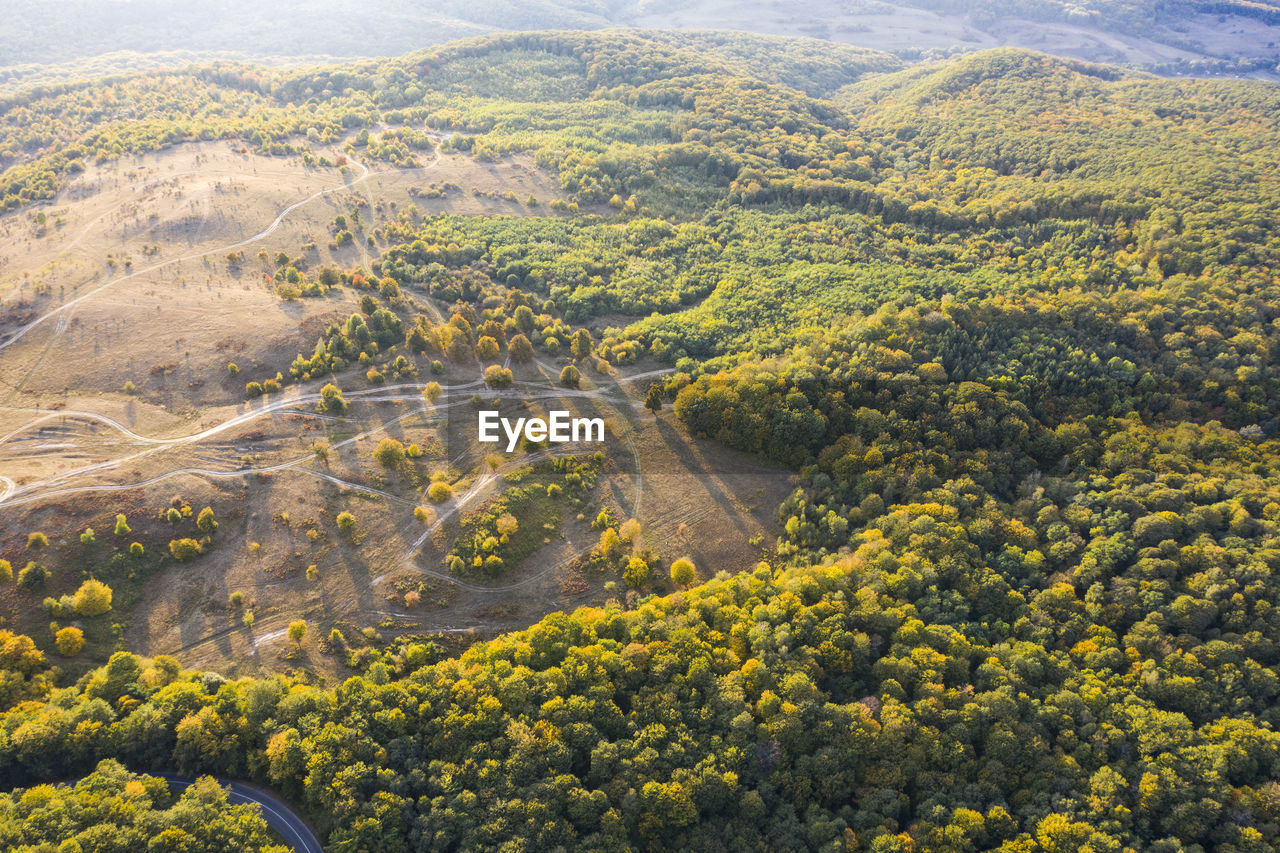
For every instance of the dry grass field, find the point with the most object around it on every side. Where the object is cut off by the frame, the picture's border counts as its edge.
(121, 312)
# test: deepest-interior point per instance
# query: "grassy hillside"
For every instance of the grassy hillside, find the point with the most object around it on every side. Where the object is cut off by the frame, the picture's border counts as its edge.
(1010, 320)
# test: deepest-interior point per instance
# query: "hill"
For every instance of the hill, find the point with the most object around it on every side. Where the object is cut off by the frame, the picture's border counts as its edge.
(939, 503)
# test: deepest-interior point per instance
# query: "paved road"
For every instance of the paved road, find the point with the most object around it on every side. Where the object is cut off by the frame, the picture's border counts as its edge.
(278, 815)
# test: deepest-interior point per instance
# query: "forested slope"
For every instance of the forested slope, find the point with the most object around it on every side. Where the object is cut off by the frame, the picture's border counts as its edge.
(1014, 322)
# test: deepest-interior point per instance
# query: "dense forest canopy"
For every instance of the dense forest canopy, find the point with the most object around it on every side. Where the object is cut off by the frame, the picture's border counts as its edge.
(1012, 319)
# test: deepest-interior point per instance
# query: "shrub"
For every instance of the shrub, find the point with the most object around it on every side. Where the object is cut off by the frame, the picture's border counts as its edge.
(32, 576)
(636, 574)
(93, 598)
(570, 377)
(610, 544)
(432, 391)
(297, 630)
(122, 525)
(88, 537)
(69, 641)
(331, 398)
(439, 492)
(487, 348)
(389, 453)
(683, 572)
(253, 389)
(424, 514)
(629, 530)
(346, 523)
(136, 549)
(184, 549)
(237, 599)
(37, 540)
(498, 377)
(507, 524)
(520, 349)
(205, 520)
(6, 571)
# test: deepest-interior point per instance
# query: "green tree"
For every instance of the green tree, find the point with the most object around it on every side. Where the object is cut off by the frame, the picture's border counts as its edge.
(582, 344)
(122, 525)
(653, 398)
(297, 630)
(486, 348)
(520, 349)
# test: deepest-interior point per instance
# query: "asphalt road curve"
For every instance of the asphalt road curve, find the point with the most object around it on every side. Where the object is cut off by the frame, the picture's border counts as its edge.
(277, 814)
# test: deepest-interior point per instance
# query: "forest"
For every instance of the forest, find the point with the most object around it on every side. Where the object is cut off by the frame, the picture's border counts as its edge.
(1014, 322)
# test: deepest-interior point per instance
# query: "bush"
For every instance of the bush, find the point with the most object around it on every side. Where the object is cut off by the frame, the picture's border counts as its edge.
(253, 389)
(520, 349)
(136, 549)
(331, 398)
(88, 537)
(37, 540)
(570, 377)
(432, 391)
(346, 523)
(93, 598)
(683, 572)
(498, 377)
(6, 571)
(636, 574)
(122, 525)
(439, 492)
(69, 641)
(486, 348)
(32, 576)
(205, 520)
(184, 549)
(424, 514)
(389, 454)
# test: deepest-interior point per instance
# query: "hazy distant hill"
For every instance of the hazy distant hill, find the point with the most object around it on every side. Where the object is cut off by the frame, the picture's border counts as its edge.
(1218, 37)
